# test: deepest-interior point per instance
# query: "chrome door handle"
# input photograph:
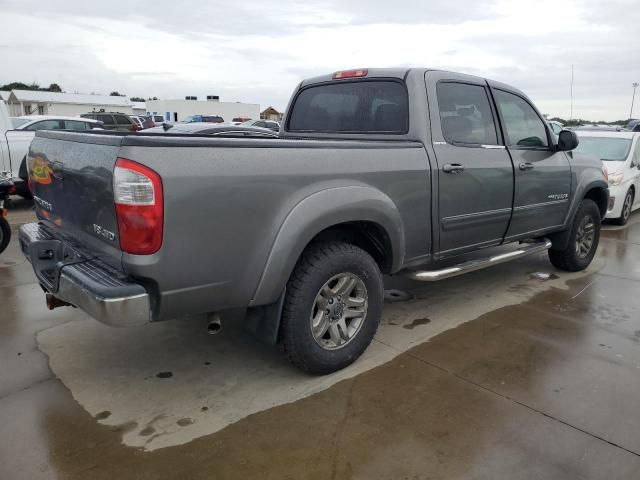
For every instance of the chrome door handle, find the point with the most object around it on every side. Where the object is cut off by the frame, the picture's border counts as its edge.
(453, 168)
(526, 166)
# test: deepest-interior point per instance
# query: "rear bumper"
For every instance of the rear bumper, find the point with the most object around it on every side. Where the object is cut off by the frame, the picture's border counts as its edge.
(85, 282)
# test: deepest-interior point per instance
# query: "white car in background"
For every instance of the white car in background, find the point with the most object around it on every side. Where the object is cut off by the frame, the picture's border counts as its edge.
(556, 127)
(15, 140)
(620, 153)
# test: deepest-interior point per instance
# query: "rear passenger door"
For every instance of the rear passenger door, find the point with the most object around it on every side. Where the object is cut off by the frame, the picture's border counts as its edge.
(474, 171)
(542, 174)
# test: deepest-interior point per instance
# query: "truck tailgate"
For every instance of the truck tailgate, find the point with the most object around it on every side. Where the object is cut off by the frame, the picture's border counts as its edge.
(71, 177)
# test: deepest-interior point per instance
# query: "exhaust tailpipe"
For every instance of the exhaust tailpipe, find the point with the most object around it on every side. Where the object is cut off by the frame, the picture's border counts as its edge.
(215, 324)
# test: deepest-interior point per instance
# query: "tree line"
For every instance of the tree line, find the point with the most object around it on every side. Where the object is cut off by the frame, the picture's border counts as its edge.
(54, 87)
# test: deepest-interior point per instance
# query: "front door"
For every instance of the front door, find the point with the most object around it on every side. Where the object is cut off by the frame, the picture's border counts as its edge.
(474, 171)
(542, 174)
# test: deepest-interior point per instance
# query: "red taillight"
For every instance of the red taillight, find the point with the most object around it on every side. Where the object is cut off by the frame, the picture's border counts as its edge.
(362, 72)
(137, 192)
(136, 127)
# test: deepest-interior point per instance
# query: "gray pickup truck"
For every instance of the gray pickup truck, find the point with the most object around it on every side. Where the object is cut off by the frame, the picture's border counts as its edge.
(379, 171)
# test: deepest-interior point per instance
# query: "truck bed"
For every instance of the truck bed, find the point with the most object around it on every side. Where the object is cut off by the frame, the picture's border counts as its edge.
(225, 202)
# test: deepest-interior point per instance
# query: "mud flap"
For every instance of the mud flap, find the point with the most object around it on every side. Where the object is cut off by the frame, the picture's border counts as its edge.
(264, 322)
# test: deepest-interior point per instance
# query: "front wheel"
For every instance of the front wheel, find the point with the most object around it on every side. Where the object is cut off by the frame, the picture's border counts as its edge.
(583, 239)
(5, 234)
(626, 209)
(332, 307)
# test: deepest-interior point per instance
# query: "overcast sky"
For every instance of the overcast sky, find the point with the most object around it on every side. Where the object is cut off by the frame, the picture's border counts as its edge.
(256, 51)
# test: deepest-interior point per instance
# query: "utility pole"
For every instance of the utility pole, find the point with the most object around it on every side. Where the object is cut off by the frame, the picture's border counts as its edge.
(634, 85)
(571, 114)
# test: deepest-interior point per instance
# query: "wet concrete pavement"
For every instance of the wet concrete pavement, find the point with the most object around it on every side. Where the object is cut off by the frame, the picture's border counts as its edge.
(497, 374)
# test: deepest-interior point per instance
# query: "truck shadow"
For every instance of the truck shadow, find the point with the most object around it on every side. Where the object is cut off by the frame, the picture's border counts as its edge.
(162, 376)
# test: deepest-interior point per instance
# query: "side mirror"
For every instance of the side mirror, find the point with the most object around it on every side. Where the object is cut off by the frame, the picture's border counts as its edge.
(567, 140)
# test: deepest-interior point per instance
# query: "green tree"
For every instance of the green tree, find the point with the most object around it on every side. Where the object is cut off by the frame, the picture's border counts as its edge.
(54, 87)
(20, 86)
(136, 99)
(116, 94)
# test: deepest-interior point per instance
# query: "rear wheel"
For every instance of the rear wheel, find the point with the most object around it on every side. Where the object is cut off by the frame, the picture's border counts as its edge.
(5, 234)
(626, 208)
(332, 307)
(583, 239)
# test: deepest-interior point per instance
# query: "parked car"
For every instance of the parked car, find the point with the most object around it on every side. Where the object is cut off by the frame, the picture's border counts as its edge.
(633, 123)
(270, 124)
(15, 141)
(397, 171)
(620, 152)
(217, 129)
(203, 118)
(34, 123)
(238, 120)
(17, 121)
(556, 127)
(114, 121)
(142, 121)
(157, 119)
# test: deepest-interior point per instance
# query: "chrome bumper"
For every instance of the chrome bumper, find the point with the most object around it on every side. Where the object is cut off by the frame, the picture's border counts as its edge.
(87, 283)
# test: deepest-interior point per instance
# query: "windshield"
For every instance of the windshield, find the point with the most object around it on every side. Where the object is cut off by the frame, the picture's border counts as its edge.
(605, 148)
(17, 122)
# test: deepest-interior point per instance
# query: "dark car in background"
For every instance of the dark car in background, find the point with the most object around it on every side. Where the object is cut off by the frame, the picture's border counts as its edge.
(114, 121)
(632, 124)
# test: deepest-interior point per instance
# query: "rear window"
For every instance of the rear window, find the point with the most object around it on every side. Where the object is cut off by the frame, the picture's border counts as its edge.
(371, 106)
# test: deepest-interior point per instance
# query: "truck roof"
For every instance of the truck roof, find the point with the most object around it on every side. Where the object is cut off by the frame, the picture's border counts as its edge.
(402, 73)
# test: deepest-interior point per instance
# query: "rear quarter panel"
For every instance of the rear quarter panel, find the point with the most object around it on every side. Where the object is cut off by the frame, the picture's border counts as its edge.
(224, 206)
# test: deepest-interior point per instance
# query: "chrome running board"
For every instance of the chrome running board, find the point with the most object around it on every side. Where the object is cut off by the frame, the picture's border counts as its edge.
(471, 265)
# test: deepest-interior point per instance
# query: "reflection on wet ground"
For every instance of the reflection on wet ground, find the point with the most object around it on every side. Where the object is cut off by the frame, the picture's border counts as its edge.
(544, 385)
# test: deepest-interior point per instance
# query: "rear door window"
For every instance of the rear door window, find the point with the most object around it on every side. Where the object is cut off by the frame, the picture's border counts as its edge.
(122, 120)
(75, 125)
(106, 119)
(46, 125)
(465, 114)
(371, 106)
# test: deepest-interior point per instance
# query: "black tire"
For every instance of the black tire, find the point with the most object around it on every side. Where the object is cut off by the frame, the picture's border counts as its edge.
(625, 214)
(318, 265)
(5, 234)
(569, 259)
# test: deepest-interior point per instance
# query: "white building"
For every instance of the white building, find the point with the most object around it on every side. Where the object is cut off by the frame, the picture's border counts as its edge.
(177, 110)
(35, 102)
(139, 108)
(4, 96)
